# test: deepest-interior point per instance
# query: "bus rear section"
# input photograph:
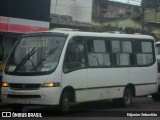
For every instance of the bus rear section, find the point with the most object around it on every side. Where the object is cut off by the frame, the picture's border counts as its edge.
(156, 96)
(61, 68)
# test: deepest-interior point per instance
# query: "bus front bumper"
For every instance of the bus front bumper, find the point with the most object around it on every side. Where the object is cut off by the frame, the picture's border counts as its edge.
(43, 96)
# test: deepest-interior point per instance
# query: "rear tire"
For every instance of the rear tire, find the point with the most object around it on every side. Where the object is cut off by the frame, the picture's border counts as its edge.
(156, 96)
(127, 97)
(126, 100)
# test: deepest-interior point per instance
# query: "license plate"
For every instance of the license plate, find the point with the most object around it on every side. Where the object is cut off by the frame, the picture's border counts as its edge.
(23, 101)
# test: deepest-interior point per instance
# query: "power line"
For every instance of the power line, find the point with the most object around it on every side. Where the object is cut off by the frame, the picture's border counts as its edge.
(74, 6)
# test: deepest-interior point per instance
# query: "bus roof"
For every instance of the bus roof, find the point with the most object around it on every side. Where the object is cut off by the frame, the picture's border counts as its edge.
(157, 42)
(97, 34)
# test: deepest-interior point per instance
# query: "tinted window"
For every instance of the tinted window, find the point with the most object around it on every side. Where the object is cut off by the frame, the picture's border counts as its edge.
(121, 52)
(98, 54)
(75, 56)
(144, 52)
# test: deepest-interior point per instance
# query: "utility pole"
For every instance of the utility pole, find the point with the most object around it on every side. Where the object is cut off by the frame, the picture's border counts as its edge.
(156, 9)
(56, 6)
(143, 5)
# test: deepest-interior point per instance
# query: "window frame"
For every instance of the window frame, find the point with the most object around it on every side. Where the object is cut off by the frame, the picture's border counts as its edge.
(35, 35)
(78, 68)
(108, 45)
(135, 53)
(121, 40)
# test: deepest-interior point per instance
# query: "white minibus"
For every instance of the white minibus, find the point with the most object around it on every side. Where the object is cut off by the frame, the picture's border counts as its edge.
(61, 67)
(156, 97)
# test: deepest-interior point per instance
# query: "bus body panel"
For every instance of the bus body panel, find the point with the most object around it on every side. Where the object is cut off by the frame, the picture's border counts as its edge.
(106, 83)
(78, 80)
(140, 75)
(144, 90)
(24, 79)
(48, 96)
(144, 79)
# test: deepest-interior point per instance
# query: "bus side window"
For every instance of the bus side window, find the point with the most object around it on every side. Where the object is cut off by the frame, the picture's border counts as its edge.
(122, 53)
(98, 53)
(144, 53)
(75, 57)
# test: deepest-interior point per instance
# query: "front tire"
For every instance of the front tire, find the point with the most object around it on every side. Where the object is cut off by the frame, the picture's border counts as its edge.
(65, 103)
(17, 108)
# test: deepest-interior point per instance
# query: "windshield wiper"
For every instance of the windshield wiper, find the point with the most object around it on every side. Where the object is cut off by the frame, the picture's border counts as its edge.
(50, 52)
(24, 60)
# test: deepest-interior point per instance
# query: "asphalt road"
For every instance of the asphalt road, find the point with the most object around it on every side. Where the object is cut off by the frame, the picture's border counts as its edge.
(141, 106)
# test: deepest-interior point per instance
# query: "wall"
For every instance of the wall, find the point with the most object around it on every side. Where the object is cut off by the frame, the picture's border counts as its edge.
(79, 10)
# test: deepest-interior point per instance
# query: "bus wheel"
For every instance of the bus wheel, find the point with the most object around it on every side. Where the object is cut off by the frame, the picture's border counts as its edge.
(65, 103)
(156, 97)
(127, 97)
(17, 108)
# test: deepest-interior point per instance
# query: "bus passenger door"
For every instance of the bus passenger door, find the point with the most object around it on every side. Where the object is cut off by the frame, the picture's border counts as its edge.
(74, 69)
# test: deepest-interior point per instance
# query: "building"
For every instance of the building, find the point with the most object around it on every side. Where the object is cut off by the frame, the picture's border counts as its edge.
(122, 10)
(79, 10)
(21, 16)
(100, 9)
(108, 10)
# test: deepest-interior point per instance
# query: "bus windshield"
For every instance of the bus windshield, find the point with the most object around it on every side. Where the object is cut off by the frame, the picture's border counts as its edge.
(35, 55)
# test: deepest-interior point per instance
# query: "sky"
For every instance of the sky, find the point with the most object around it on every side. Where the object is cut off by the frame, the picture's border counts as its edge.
(134, 2)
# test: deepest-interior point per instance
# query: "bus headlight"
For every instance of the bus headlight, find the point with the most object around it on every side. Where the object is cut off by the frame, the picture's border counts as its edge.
(5, 84)
(56, 84)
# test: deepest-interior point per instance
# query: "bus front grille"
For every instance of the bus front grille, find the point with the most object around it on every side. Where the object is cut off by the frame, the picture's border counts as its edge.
(23, 96)
(23, 86)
